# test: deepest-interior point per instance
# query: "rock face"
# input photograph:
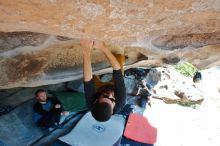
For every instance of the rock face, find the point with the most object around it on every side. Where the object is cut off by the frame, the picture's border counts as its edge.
(39, 40)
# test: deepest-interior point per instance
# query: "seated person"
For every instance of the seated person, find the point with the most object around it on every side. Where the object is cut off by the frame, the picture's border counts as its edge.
(109, 99)
(47, 111)
(144, 90)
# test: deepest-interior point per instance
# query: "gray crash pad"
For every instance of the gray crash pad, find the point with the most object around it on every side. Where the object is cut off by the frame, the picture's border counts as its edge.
(17, 126)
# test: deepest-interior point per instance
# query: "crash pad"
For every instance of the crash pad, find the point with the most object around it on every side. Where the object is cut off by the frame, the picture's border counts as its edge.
(139, 129)
(71, 101)
(89, 132)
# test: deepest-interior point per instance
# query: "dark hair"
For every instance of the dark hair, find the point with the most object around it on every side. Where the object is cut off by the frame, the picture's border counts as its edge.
(38, 91)
(102, 111)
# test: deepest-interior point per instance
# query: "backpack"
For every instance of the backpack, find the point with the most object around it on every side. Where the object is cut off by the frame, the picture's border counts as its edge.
(197, 77)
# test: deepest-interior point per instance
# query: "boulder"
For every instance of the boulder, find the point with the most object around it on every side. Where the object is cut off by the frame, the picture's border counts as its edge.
(39, 40)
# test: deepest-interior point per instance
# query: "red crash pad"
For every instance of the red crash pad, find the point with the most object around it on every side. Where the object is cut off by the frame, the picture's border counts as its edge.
(139, 129)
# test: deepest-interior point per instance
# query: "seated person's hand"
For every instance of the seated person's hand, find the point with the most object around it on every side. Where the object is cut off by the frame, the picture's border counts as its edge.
(65, 113)
(57, 106)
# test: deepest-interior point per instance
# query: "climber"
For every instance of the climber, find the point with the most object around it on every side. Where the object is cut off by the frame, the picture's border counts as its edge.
(108, 99)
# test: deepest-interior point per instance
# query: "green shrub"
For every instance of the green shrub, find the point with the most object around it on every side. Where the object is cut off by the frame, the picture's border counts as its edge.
(186, 69)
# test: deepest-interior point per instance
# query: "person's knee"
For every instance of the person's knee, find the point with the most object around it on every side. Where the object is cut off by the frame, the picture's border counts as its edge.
(54, 116)
(143, 102)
